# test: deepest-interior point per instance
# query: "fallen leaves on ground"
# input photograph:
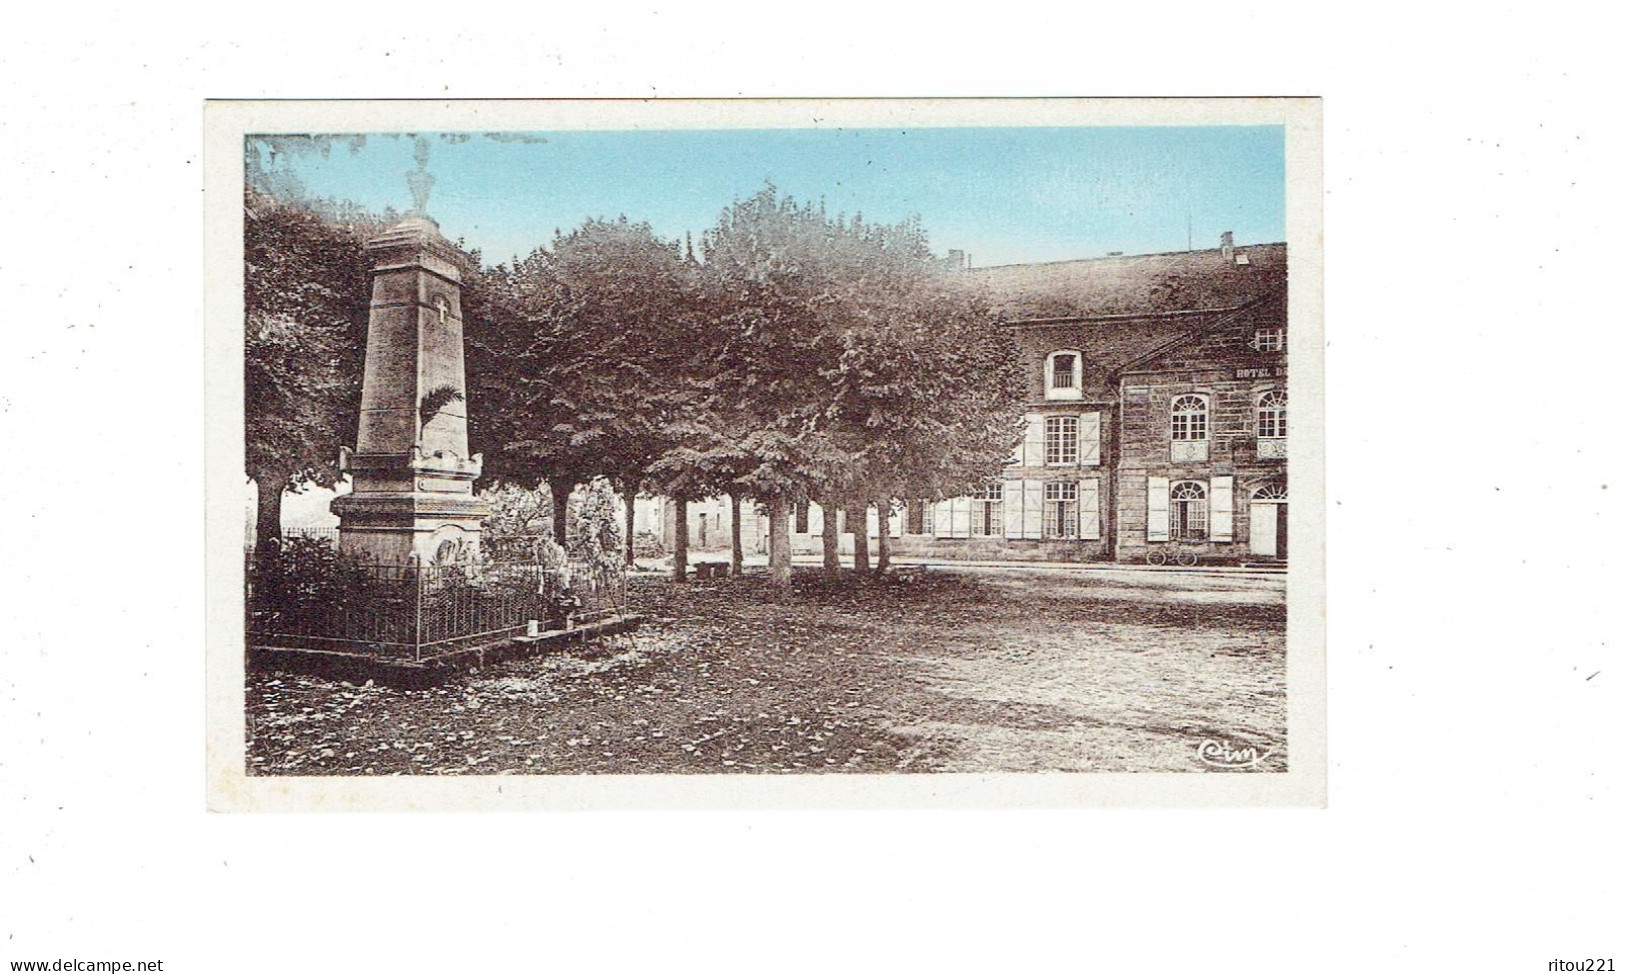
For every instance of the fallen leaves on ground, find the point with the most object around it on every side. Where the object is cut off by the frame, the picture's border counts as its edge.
(972, 671)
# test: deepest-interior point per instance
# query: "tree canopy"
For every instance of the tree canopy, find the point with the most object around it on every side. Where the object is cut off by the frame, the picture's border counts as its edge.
(578, 354)
(808, 356)
(847, 365)
(305, 300)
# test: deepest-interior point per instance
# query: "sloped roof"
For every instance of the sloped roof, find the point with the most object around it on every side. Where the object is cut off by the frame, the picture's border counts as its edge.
(1271, 304)
(1109, 344)
(1143, 284)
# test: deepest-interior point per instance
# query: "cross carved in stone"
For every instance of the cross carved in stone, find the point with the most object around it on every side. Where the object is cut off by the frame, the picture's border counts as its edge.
(442, 307)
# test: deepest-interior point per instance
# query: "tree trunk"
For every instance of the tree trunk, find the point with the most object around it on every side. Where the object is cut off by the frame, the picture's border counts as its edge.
(679, 539)
(561, 490)
(629, 493)
(268, 513)
(832, 537)
(857, 519)
(778, 543)
(738, 533)
(883, 553)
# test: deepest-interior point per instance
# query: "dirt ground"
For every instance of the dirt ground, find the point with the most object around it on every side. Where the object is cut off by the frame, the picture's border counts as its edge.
(972, 670)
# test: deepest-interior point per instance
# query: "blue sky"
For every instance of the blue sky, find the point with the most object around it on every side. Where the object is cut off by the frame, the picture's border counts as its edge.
(1005, 195)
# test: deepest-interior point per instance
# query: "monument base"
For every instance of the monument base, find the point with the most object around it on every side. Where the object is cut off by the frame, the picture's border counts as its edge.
(417, 527)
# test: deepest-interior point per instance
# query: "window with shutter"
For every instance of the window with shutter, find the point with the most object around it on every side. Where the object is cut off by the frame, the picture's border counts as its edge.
(1032, 452)
(1060, 440)
(1222, 516)
(1061, 510)
(959, 517)
(1089, 509)
(987, 511)
(1089, 440)
(1156, 509)
(1032, 509)
(1187, 511)
(1013, 499)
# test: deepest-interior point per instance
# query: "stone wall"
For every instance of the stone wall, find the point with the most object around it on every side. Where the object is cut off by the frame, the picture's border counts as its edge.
(1231, 375)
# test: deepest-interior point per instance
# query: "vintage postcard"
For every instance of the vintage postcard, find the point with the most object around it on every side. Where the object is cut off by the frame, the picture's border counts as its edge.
(860, 453)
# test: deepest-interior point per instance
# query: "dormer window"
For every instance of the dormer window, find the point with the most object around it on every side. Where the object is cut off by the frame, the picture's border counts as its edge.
(1061, 369)
(1269, 339)
(1063, 375)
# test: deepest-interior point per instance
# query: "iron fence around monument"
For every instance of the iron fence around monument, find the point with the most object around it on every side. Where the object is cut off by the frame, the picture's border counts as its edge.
(307, 596)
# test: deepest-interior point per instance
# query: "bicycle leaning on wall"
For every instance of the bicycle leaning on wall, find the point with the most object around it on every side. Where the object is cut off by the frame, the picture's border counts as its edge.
(1171, 553)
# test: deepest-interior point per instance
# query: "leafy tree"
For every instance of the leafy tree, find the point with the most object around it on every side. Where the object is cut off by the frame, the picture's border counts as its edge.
(929, 388)
(306, 298)
(782, 279)
(518, 518)
(847, 369)
(579, 356)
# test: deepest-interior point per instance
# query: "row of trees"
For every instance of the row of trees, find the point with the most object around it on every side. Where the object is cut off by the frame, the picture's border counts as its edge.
(798, 356)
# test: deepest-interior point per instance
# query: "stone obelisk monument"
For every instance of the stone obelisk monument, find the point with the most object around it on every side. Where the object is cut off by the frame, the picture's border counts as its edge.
(413, 498)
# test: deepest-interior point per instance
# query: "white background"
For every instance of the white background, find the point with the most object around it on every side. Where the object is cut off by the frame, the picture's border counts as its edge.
(1473, 201)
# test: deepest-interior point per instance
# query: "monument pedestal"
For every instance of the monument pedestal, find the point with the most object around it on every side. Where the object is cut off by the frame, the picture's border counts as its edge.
(416, 509)
(413, 499)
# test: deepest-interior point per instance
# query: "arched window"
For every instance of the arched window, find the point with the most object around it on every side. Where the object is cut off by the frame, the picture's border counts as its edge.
(1190, 418)
(1063, 375)
(1272, 415)
(1270, 492)
(1187, 511)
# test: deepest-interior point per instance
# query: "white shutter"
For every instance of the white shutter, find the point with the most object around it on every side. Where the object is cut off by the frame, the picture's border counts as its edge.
(815, 519)
(961, 518)
(1089, 440)
(1222, 509)
(1032, 453)
(1012, 509)
(1089, 509)
(942, 519)
(1156, 509)
(1032, 509)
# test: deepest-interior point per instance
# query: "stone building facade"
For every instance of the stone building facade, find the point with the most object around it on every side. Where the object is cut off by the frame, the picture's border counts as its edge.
(1204, 441)
(1109, 347)
(1105, 470)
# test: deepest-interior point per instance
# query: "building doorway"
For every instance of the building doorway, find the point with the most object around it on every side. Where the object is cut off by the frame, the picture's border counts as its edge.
(1267, 522)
